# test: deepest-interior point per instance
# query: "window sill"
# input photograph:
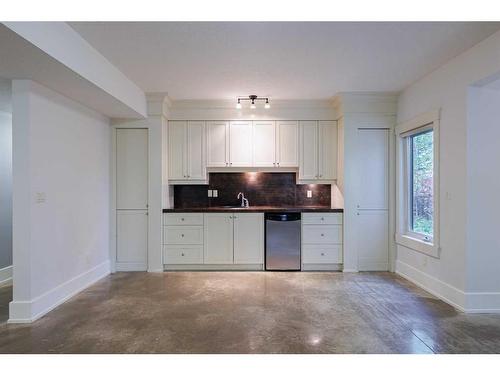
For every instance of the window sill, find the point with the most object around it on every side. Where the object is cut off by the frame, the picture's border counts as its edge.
(427, 248)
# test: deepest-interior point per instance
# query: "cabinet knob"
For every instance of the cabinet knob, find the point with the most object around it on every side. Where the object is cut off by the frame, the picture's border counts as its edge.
(322, 235)
(322, 254)
(278, 164)
(182, 254)
(182, 235)
(182, 219)
(322, 218)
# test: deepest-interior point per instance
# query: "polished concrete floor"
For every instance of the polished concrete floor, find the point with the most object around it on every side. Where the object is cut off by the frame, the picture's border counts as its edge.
(253, 312)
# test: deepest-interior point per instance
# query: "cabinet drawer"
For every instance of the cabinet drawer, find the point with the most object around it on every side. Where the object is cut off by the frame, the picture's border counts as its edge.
(322, 254)
(321, 218)
(183, 235)
(191, 218)
(322, 234)
(176, 254)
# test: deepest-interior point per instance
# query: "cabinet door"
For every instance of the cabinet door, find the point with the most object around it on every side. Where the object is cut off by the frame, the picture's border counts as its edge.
(373, 164)
(308, 169)
(132, 169)
(241, 144)
(132, 238)
(373, 240)
(264, 144)
(217, 144)
(177, 150)
(327, 156)
(218, 238)
(249, 238)
(196, 150)
(287, 144)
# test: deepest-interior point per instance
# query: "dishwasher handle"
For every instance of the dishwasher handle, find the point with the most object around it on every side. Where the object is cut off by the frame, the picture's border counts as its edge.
(283, 216)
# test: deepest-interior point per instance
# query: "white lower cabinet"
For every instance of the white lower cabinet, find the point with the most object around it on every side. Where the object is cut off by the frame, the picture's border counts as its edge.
(213, 240)
(322, 241)
(218, 246)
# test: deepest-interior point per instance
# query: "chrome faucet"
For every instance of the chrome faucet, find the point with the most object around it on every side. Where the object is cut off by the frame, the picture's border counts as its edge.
(244, 201)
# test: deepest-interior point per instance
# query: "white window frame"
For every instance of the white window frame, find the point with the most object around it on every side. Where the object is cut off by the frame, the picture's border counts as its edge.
(404, 236)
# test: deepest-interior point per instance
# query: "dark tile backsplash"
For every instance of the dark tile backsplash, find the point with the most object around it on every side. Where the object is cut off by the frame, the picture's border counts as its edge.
(260, 188)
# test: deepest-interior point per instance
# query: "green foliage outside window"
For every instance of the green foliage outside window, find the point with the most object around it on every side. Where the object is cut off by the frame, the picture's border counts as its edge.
(422, 160)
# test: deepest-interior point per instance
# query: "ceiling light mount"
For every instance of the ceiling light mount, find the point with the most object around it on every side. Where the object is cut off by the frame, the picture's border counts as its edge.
(253, 99)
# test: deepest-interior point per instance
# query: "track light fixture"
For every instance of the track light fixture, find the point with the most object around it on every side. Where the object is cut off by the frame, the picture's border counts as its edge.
(253, 99)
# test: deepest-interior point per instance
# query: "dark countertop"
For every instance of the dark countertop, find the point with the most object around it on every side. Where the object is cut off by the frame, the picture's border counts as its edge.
(257, 209)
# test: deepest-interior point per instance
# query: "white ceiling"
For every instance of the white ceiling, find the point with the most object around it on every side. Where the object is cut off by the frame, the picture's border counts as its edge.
(294, 60)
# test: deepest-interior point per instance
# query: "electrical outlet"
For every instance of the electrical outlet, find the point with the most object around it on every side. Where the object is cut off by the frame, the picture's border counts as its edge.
(210, 193)
(309, 194)
(215, 193)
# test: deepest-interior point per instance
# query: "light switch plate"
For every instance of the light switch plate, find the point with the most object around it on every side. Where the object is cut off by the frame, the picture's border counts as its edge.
(215, 194)
(40, 197)
(309, 194)
(210, 193)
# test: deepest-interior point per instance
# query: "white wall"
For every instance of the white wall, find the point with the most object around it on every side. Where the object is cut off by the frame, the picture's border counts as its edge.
(61, 150)
(446, 88)
(483, 202)
(5, 190)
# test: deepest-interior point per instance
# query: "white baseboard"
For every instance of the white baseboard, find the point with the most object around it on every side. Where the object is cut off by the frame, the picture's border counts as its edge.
(483, 302)
(6, 276)
(130, 267)
(29, 311)
(436, 287)
(468, 302)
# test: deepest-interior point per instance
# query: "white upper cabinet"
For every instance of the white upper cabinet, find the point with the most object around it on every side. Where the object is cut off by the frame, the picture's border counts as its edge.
(186, 144)
(176, 150)
(217, 143)
(318, 151)
(287, 143)
(241, 144)
(308, 168)
(264, 141)
(196, 150)
(327, 157)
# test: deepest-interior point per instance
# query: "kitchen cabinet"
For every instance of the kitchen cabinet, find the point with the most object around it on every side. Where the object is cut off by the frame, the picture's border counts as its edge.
(308, 168)
(131, 212)
(287, 143)
(318, 151)
(327, 157)
(218, 241)
(248, 238)
(372, 216)
(217, 143)
(264, 144)
(241, 144)
(186, 144)
(213, 240)
(322, 241)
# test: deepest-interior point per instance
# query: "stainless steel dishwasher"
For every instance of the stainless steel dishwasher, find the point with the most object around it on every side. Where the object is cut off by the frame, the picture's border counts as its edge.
(283, 241)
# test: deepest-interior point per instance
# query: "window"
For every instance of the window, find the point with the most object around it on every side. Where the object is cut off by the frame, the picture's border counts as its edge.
(421, 155)
(417, 195)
